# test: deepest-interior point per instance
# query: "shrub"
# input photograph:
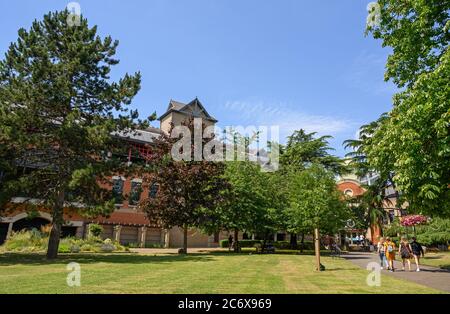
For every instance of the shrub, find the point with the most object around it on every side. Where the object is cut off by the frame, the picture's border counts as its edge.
(242, 243)
(64, 247)
(95, 230)
(107, 247)
(434, 238)
(75, 248)
(223, 243)
(154, 245)
(25, 241)
(35, 241)
(87, 248)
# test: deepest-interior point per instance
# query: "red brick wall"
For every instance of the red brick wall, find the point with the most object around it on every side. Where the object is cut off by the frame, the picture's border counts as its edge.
(355, 187)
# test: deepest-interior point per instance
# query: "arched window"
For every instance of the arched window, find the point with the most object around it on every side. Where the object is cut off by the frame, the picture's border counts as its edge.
(153, 190)
(348, 192)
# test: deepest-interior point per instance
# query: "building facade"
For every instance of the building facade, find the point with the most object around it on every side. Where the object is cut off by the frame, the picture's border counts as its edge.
(127, 224)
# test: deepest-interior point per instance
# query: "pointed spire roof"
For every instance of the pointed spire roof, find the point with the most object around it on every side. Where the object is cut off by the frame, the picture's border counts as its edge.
(193, 108)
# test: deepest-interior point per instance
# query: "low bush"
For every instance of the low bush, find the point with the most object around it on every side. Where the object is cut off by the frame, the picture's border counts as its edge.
(281, 245)
(242, 243)
(35, 241)
(95, 230)
(434, 234)
(153, 246)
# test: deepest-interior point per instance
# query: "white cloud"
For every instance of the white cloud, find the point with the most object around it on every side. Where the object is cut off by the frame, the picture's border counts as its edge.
(288, 119)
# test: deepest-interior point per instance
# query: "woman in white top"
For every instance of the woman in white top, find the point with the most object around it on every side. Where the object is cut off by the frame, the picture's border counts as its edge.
(382, 253)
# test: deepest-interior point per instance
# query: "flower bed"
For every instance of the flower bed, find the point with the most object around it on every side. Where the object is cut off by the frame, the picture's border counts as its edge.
(35, 241)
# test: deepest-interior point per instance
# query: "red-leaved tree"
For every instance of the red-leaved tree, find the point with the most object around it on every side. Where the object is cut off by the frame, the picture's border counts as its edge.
(188, 190)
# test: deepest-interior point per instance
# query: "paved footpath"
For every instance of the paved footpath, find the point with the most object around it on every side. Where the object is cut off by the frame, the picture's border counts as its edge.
(428, 276)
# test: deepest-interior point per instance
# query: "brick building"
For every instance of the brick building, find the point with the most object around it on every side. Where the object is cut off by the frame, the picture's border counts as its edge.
(127, 224)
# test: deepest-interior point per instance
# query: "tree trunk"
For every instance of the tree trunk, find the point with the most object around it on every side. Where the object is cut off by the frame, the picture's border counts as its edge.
(302, 242)
(236, 240)
(372, 231)
(380, 225)
(317, 248)
(55, 233)
(185, 240)
(293, 242)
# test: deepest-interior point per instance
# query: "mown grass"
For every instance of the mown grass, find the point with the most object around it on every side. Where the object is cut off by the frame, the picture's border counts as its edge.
(441, 260)
(196, 273)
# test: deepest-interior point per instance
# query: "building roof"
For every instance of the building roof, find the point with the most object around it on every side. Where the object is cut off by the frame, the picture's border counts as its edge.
(140, 136)
(188, 109)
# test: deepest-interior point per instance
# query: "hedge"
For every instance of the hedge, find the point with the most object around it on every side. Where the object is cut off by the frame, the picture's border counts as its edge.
(242, 243)
(282, 245)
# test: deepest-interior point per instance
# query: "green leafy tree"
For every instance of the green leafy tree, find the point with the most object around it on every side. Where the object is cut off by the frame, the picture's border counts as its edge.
(418, 32)
(252, 204)
(415, 136)
(304, 149)
(315, 204)
(58, 108)
(244, 200)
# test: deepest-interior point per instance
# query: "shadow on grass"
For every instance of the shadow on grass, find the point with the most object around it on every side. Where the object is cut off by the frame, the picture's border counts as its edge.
(441, 269)
(8, 259)
(434, 257)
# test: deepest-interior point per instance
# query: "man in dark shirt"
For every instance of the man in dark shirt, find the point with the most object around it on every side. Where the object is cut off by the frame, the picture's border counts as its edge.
(417, 250)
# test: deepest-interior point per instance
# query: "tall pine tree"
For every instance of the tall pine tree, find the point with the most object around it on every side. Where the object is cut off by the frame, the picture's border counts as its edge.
(58, 108)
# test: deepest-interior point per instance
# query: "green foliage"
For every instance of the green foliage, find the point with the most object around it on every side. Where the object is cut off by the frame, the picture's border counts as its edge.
(433, 234)
(419, 33)
(242, 243)
(315, 202)
(434, 238)
(25, 241)
(413, 142)
(34, 241)
(253, 202)
(304, 148)
(95, 230)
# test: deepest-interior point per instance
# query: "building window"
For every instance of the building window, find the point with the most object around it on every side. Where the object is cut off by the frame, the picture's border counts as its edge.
(348, 192)
(117, 190)
(153, 190)
(391, 215)
(135, 192)
(281, 236)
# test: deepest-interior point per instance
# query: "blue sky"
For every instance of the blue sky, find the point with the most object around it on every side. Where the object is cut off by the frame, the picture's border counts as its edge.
(292, 63)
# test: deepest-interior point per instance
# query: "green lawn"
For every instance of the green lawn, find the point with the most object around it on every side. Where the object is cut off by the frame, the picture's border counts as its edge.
(441, 259)
(196, 273)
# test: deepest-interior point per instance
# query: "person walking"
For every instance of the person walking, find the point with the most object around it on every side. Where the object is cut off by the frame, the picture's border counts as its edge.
(389, 246)
(382, 253)
(230, 242)
(405, 253)
(416, 249)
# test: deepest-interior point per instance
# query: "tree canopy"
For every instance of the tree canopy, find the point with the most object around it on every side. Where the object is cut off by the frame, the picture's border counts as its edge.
(413, 141)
